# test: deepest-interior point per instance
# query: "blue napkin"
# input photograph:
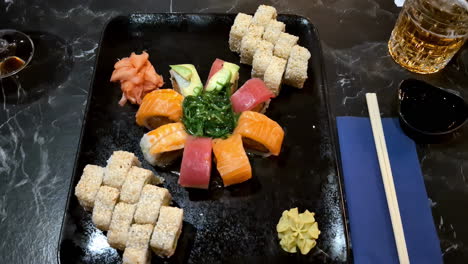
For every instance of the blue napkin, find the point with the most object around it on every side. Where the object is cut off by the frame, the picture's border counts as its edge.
(371, 229)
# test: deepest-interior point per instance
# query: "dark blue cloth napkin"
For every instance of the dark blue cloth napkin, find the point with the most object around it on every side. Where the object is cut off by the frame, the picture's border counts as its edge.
(371, 229)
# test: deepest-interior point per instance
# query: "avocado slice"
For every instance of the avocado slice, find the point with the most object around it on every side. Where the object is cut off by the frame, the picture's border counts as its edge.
(234, 69)
(219, 80)
(185, 79)
(183, 71)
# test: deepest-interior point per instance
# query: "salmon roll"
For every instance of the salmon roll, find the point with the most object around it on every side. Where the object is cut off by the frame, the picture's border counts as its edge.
(164, 144)
(120, 225)
(136, 179)
(231, 160)
(273, 31)
(167, 231)
(117, 168)
(264, 15)
(238, 31)
(260, 133)
(160, 107)
(284, 45)
(88, 186)
(106, 199)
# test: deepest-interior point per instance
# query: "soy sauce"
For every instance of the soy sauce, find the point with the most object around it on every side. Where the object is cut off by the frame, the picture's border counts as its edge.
(431, 109)
(11, 64)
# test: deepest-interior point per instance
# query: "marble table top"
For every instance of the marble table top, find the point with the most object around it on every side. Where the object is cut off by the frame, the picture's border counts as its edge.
(40, 122)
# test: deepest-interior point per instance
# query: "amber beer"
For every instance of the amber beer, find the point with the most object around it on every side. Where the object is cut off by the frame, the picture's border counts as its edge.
(428, 33)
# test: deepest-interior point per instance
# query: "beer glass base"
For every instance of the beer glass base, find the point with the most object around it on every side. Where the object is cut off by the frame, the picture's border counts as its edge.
(404, 63)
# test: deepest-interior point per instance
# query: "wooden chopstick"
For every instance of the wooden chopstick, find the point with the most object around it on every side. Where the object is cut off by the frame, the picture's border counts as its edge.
(387, 177)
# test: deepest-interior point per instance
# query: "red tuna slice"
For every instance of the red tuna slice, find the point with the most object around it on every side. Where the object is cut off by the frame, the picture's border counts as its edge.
(250, 95)
(195, 169)
(217, 65)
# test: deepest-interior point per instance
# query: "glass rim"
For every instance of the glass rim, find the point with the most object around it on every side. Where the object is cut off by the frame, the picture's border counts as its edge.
(26, 62)
(417, 6)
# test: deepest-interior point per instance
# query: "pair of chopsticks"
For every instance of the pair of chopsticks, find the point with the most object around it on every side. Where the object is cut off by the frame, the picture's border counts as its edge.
(387, 177)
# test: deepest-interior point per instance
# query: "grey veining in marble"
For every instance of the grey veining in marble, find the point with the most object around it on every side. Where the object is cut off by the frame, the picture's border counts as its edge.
(40, 122)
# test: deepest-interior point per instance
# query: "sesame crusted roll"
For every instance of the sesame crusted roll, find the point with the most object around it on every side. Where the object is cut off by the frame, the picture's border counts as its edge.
(122, 218)
(104, 204)
(88, 186)
(167, 231)
(151, 200)
(117, 168)
(136, 179)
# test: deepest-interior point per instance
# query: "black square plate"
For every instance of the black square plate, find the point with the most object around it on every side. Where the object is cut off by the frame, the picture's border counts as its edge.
(235, 224)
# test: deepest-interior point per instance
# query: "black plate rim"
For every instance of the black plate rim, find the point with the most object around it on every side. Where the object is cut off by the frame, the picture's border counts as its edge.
(324, 88)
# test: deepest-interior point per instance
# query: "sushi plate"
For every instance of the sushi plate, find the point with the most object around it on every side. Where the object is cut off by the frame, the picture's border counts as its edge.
(236, 224)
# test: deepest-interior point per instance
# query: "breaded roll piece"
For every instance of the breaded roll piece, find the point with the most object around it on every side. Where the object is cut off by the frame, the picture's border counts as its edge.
(139, 236)
(284, 45)
(117, 168)
(296, 68)
(122, 218)
(104, 204)
(167, 231)
(137, 249)
(274, 74)
(273, 31)
(266, 46)
(248, 46)
(88, 186)
(136, 179)
(255, 31)
(261, 58)
(151, 199)
(264, 15)
(136, 256)
(238, 31)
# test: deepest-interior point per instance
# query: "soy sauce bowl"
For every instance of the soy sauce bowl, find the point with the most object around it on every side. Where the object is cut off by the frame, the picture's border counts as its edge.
(429, 113)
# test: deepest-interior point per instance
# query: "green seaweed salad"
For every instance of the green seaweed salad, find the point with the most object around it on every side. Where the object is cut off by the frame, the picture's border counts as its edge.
(209, 114)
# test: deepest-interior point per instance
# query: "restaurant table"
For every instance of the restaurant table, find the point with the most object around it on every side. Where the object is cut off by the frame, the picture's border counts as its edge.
(40, 123)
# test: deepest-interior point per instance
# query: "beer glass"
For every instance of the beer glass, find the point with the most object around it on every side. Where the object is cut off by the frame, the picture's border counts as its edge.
(428, 33)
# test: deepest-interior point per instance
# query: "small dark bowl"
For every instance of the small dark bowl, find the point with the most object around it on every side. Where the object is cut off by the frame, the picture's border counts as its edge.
(428, 113)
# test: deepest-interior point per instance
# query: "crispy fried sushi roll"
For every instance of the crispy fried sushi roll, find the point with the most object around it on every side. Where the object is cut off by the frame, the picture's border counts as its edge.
(137, 249)
(151, 200)
(88, 186)
(273, 31)
(167, 231)
(284, 45)
(264, 15)
(296, 69)
(104, 204)
(238, 31)
(274, 74)
(122, 218)
(117, 168)
(136, 179)
(261, 59)
(248, 46)
(255, 31)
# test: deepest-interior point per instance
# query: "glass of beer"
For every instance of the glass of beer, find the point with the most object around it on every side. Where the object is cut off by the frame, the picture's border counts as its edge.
(428, 33)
